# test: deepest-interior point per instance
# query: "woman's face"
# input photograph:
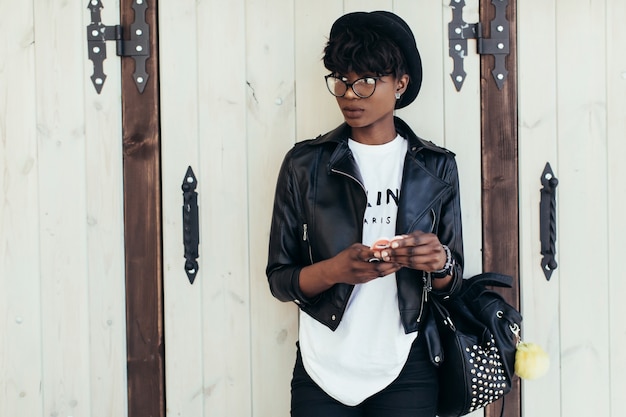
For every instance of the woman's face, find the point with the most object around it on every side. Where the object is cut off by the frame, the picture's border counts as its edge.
(375, 109)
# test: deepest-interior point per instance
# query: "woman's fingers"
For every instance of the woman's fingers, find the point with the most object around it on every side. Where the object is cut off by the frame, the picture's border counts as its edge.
(418, 250)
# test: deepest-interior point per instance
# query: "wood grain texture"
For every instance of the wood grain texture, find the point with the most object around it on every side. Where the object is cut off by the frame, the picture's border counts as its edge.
(142, 216)
(105, 232)
(61, 266)
(500, 177)
(222, 151)
(20, 283)
(538, 144)
(271, 127)
(583, 197)
(184, 320)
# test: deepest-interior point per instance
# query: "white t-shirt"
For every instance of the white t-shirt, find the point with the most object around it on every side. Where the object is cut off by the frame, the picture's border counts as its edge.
(369, 348)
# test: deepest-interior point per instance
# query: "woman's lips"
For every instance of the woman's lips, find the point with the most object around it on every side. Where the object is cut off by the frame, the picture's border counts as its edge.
(352, 112)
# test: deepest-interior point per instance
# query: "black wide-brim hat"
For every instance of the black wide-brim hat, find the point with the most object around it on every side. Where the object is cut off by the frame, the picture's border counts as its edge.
(396, 29)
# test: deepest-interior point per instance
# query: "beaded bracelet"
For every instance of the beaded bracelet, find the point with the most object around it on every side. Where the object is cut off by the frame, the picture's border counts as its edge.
(447, 267)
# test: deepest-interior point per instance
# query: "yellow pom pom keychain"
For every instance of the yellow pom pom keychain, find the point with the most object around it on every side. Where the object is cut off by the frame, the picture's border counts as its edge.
(531, 361)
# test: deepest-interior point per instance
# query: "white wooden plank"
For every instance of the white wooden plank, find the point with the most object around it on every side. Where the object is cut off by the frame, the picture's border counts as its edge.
(462, 112)
(538, 130)
(366, 5)
(426, 114)
(105, 233)
(20, 314)
(316, 108)
(271, 132)
(183, 321)
(616, 171)
(225, 226)
(582, 213)
(62, 189)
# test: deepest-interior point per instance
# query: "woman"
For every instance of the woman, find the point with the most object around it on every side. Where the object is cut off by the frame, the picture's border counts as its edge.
(364, 341)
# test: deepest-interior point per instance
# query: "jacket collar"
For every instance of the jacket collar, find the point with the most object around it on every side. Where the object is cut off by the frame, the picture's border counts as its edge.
(418, 186)
(416, 144)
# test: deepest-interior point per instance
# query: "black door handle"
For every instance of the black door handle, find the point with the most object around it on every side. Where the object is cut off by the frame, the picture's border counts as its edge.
(547, 221)
(191, 233)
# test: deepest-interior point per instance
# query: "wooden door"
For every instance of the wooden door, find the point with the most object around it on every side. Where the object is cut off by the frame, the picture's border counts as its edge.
(62, 308)
(572, 109)
(241, 81)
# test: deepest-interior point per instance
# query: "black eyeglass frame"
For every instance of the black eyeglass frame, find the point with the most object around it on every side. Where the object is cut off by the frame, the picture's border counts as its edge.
(351, 85)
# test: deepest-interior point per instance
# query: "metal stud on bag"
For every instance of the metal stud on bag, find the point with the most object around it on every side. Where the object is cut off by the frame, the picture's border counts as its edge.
(488, 378)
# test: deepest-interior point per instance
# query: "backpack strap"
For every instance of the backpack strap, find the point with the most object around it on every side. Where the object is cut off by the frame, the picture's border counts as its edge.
(490, 278)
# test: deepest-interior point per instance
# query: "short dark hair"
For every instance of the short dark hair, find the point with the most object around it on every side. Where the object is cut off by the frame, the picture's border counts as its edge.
(362, 50)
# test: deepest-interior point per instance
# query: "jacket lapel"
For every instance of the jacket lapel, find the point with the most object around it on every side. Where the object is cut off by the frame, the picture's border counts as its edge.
(418, 195)
(341, 160)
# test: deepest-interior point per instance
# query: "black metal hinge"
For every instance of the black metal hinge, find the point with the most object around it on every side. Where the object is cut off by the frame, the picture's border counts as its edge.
(498, 45)
(138, 46)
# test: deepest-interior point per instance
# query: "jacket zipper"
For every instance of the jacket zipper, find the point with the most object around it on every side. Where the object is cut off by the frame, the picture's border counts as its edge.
(349, 176)
(305, 238)
(427, 278)
(428, 286)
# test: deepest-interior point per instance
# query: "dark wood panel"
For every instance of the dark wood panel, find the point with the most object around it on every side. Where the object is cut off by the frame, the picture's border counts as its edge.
(500, 178)
(143, 237)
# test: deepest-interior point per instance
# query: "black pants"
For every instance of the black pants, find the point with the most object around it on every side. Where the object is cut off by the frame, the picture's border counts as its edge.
(412, 394)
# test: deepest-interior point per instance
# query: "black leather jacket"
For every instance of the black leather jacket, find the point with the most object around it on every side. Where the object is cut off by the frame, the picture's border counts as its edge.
(319, 209)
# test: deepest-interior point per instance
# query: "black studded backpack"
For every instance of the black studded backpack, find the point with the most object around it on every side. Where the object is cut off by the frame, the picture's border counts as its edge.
(479, 333)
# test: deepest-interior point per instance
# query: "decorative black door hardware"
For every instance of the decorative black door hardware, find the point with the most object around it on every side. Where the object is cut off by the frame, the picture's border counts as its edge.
(191, 232)
(497, 45)
(138, 46)
(547, 221)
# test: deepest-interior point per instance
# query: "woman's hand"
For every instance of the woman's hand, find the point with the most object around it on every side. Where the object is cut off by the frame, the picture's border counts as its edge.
(356, 264)
(419, 250)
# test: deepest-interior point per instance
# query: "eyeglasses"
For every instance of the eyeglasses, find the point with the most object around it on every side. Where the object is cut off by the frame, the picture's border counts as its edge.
(363, 87)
